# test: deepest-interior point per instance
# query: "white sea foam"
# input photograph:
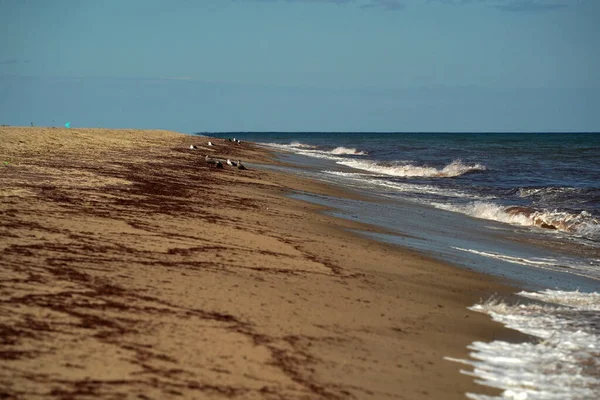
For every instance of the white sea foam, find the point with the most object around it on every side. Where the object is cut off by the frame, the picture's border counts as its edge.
(545, 191)
(301, 145)
(564, 363)
(345, 150)
(485, 210)
(582, 224)
(533, 262)
(589, 268)
(353, 175)
(583, 301)
(291, 146)
(367, 180)
(312, 151)
(303, 149)
(455, 168)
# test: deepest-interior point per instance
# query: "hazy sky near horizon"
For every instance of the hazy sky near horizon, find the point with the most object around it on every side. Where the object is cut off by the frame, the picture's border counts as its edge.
(294, 65)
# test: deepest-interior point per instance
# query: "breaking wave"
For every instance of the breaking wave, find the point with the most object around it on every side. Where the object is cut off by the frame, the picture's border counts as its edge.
(302, 145)
(365, 180)
(583, 224)
(314, 151)
(345, 150)
(562, 364)
(455, 168)
(291, 146)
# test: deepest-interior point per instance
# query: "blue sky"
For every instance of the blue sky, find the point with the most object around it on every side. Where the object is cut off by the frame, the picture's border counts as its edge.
(302, 65)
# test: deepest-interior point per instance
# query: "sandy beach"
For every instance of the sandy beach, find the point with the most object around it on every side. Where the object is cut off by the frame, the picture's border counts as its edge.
(131, 268)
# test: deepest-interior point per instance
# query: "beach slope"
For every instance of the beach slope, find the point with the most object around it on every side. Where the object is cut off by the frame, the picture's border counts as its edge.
(133, 268)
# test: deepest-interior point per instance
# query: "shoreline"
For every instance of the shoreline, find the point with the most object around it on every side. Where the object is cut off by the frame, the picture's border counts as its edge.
(534, 259)
(174, 278)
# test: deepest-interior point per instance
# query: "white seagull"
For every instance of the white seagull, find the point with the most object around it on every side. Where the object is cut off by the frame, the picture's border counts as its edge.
(193, 147)
(210, 143)
(229, 162)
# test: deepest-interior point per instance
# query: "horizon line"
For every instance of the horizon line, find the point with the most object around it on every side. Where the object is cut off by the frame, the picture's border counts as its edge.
(403, 132)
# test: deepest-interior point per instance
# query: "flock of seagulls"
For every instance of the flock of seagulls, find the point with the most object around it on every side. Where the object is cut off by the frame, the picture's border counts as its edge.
(218, 163)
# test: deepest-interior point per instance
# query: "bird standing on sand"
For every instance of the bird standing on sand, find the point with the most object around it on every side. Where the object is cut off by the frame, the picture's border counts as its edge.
(229, 162)
(239, 165)
(210, 143)
(193, 147)
(212, 161)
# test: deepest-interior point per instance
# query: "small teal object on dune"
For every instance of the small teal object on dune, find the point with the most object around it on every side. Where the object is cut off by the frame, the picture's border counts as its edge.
(68, 124)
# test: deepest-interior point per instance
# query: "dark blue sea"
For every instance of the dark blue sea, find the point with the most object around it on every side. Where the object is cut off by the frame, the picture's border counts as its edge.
(520, 206)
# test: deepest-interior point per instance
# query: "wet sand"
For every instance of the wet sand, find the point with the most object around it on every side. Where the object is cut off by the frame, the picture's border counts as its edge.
(131, 268)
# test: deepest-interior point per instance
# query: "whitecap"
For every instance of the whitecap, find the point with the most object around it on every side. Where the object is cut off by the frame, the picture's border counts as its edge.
(344, 150)
(302, 145)
(454, 169)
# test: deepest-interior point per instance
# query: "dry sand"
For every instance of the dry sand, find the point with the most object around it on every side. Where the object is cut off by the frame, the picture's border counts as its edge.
(130, 268)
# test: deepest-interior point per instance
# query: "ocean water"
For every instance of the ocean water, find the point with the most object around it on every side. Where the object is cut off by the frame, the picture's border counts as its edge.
(520, 206)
